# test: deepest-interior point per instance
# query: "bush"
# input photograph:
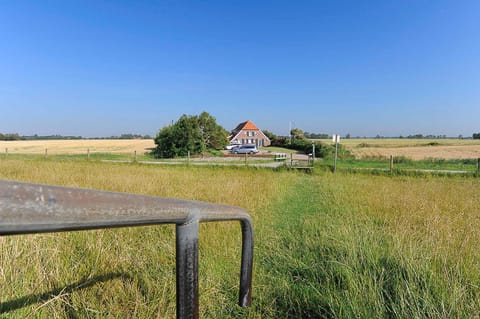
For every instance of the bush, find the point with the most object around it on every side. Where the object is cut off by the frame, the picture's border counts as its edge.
(322, 150)
(190, 134)
(402, 159)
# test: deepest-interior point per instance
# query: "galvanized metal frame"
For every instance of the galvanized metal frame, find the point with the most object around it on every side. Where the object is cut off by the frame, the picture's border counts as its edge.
(27, 208)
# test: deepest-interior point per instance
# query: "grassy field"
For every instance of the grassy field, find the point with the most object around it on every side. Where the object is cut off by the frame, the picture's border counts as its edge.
(403, 142)
(327, 246)
(378, 247)
(99, 273)
(402, 165)
(417, 149)
(77, 147)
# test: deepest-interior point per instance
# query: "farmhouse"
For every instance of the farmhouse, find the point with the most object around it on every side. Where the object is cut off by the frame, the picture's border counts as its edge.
(248, 133)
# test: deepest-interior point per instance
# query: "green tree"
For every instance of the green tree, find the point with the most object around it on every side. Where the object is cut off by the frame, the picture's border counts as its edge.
(10, 137)
(190, 133)
(297, 135)
(165, 143)
(270, 135)
(187, 136)
(213, 135)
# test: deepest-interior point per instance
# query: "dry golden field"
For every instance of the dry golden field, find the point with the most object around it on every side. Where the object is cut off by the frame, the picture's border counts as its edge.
(412, 148)
(416, 149)
(77, 146)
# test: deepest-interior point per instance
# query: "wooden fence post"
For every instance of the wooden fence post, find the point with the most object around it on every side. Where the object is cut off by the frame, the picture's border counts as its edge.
(135, 156)
(478, 165)
(188, 158)
(88, 154)
(246, 159)
(6, 151)
(391, 164)
(46, 152)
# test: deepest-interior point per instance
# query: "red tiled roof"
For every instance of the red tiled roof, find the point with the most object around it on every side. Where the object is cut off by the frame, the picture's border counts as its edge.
(248, 125)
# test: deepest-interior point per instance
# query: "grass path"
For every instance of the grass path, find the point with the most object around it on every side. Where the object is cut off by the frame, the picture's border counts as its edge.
(340, 250)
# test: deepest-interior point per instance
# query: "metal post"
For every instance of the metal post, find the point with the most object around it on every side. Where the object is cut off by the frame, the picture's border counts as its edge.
(6, 151)
(313, 153)
(88, 154)
(336, 155)
(290, 132)
(245, 296)
(187, 270)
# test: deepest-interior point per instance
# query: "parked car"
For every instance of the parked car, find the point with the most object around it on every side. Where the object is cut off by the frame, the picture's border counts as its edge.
(245, 149)
(232, 145)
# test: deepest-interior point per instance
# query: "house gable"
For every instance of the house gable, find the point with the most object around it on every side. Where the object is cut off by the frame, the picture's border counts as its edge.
(249, 133)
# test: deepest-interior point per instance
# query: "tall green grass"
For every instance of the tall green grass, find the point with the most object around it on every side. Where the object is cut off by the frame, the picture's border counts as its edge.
(128, 273)
(350, 246)
(327, 246)
(401, 164)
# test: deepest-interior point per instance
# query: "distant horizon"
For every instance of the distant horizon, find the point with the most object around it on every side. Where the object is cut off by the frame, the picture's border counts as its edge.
(146, 136)
(386, 68)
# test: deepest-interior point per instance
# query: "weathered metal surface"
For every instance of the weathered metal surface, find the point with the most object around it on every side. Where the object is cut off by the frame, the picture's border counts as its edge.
(245, 296)
(34, 208)
(187, 270)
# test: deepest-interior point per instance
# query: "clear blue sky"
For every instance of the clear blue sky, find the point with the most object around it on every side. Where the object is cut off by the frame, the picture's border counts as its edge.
(101, 68)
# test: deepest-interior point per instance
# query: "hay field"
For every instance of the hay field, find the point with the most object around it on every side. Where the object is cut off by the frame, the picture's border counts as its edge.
(77, 146)
(416, 149)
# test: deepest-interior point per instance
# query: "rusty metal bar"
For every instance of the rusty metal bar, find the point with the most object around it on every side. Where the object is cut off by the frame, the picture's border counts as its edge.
(33, 208)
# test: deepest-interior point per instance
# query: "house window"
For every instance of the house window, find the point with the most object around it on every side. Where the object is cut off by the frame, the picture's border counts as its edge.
(250, 133)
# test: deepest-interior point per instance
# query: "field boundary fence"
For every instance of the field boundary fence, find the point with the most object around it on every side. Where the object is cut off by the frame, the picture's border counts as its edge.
(401, 164)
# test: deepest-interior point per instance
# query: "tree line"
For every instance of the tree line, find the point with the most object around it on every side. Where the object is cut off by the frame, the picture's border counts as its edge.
(10, 137)
(18, 137)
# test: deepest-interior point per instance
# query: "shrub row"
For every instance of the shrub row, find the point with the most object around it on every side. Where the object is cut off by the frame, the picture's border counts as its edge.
(322, 150)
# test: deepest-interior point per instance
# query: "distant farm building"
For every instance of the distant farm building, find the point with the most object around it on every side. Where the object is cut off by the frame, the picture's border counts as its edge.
(249, 133)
